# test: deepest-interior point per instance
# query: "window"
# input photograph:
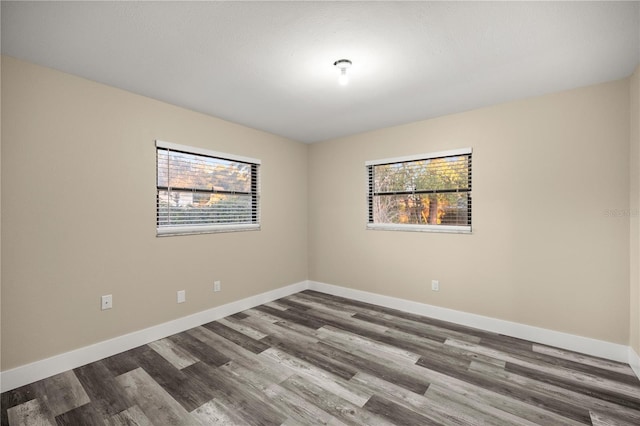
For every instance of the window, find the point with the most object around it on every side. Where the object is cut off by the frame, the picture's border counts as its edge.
(201, 191)
(429, 192)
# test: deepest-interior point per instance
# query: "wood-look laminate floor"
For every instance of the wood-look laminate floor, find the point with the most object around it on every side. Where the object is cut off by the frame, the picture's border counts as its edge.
(316, 359)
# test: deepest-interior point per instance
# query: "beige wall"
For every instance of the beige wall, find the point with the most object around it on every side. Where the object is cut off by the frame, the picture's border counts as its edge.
(634, 199)
(543, 251)
(78, 218)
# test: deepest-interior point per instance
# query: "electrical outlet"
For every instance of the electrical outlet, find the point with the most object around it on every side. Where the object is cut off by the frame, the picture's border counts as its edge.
(106, 302)
(435, 285)
(216, 286)
(182, 296)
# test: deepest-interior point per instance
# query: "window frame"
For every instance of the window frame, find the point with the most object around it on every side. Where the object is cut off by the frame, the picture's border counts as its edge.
(455, 229)
(162, 231)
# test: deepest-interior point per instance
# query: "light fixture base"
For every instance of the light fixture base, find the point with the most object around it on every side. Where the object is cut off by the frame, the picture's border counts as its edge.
(343, 64)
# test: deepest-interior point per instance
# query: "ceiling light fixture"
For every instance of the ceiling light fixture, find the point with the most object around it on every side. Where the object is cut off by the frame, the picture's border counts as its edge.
(343, 65)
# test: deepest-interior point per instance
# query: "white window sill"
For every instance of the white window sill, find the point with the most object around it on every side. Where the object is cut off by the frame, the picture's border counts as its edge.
(419, 228)
(168, 231)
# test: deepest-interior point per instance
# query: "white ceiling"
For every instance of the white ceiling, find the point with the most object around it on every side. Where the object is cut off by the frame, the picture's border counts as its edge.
(269, 65)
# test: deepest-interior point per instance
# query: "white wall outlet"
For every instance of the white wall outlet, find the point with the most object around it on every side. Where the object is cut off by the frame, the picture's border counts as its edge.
(216, 286)
(182, 296)
(106, 302)
(435, 285)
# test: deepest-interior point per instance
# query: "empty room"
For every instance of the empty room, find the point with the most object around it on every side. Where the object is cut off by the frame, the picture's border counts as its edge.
(320, 213)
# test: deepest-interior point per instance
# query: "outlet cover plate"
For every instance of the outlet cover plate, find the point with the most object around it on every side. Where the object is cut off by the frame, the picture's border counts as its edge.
(106, 302)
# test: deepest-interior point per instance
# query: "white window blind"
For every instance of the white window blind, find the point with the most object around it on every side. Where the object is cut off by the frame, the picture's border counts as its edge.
(428, 192)
(200, 191)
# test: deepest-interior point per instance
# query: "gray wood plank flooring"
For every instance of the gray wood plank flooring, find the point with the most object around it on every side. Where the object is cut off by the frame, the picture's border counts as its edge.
(316, 359)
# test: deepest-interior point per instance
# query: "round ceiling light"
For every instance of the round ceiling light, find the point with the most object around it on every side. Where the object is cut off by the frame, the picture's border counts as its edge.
(343, 65)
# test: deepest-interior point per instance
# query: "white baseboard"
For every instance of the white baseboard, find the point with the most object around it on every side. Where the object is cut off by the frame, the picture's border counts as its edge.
(42, 369)
(38, 370)
(571, 342)
(634, 361)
